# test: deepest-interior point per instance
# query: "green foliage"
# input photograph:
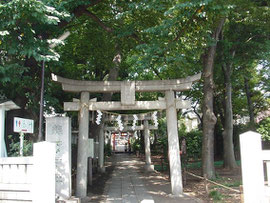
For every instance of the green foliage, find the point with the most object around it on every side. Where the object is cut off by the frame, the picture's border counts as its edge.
(23, 28)
(156, 40)
(177, 41)
(136, 145)
(27, 28)
(163, 144)
(264, 129)
(11, 73)
(15, 147)
(159, 167)
(239, 129)
(108, 149)
(198, 164)
(245, 34)
(215, 195)
(236, 183)
(194, 144)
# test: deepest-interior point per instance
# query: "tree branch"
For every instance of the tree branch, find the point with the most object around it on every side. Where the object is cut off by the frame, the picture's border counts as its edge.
(107, 28)
(98, 21)
(93, 3)
(83, 9)
(218, 29)
(156, 72)
(195, 111)
(79, 11)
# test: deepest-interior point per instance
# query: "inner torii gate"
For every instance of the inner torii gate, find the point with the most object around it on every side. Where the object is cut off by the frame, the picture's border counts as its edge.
(145, 127)
(128, 89)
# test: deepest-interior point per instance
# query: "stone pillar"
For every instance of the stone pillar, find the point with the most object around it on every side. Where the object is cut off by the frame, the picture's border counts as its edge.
(43, 174)
(173, 145)
(58, 130)
(252, 167)
(148, 165)
(3, 150)
(81, 185)
(110, 138)
(101, 149)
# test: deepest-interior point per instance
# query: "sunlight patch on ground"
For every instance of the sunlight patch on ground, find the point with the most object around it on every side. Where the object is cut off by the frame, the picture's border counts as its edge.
(147, 201)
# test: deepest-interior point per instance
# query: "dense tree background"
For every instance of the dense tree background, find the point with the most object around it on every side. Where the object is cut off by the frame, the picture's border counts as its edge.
(228, 41)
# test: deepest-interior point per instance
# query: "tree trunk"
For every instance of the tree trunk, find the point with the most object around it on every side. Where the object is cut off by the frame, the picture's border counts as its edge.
(209, 118)
(228, 147)
(250, 104)
(113, 74)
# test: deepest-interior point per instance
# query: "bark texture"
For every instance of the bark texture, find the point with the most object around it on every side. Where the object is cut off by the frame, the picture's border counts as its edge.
(228, 147)
(113, 74)
(209, 118)
(249, 101)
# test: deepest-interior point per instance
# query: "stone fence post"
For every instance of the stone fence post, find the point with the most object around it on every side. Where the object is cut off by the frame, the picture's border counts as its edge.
(43, 185)
(252, 167)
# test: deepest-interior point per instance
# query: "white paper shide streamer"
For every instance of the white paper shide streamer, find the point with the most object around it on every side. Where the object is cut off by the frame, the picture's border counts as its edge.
(99, 116)
(154, 117)
(134, 122)
(135, 135)
(119, 122)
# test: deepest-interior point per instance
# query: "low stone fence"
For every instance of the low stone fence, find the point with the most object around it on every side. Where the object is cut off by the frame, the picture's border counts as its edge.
(15, 178)
(29, 179)
(255, 164)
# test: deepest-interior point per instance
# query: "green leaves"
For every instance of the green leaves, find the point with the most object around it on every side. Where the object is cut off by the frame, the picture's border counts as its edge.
(11, 72)
(24, 25)
(264, 129)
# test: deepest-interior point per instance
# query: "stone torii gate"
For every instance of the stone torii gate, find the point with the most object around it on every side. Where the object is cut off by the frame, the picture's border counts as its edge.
(146, 128)
(128, 89)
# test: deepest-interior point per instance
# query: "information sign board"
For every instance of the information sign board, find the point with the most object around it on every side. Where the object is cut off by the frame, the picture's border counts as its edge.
(22, 125)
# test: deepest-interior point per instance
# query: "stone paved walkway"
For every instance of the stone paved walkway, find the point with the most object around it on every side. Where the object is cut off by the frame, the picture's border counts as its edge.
(125, 186)
(129, 184)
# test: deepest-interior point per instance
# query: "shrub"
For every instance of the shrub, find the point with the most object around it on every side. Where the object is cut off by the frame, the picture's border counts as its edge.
(194, 143)
(108, 149)
(163, 144)
(215, 195)
(15, 147)
(264, 129)
(135, 145)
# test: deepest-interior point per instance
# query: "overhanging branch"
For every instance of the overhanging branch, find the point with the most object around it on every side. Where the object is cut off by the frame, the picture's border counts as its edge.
(98, 21)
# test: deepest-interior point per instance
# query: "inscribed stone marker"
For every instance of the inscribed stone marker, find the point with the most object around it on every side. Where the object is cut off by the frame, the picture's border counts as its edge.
(58, 130)
(128, 93)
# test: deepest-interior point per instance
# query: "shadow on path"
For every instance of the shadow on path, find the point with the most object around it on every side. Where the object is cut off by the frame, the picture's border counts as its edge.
(126, 181)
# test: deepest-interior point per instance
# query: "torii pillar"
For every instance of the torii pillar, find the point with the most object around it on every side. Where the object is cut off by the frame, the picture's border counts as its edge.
(148, 167)
(173, 142)
(81, 178)
(101, 149)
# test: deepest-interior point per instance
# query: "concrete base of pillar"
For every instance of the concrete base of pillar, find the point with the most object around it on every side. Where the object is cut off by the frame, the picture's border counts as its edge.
(149, 168)
(176, 196)
(102, 169)
(71, 200)
(85, 200)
